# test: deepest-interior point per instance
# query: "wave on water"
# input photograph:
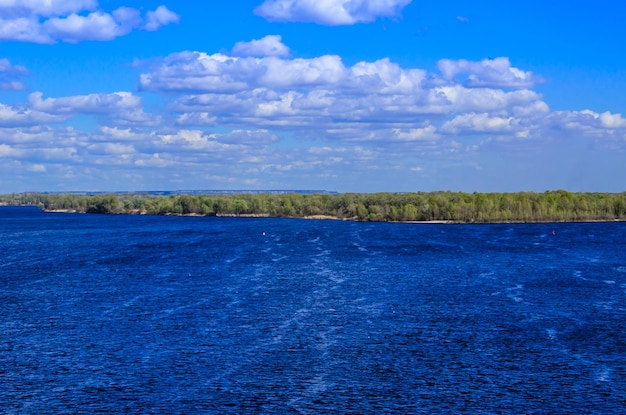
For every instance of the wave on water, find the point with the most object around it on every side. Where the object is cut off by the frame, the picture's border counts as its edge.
(117, 314)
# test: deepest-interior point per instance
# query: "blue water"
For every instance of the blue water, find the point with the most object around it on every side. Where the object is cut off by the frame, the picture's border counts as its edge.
(143, 314)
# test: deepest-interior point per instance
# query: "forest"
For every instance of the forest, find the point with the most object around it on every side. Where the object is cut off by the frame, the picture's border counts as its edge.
(454, 207)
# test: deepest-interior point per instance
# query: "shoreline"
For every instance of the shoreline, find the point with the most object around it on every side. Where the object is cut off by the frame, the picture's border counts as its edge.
(336, 218)
(414, 208)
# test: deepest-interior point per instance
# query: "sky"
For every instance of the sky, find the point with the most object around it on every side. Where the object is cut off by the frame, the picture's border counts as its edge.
(335, 95)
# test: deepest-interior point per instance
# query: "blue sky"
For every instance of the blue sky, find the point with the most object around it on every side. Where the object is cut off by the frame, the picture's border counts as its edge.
(342, 95)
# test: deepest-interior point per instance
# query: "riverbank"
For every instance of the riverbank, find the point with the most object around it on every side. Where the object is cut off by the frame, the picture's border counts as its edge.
(420, 207)
(336, 218)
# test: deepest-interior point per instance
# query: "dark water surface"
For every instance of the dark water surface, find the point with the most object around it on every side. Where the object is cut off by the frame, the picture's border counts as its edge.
(140, 314)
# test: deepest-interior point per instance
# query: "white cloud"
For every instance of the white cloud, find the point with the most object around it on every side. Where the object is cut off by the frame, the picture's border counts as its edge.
(7, 151)
(37, 168)
(117, 134)
(14, 117)
(323, 93)
(488, 73)
(37, 146)
(28, 136)
(74, 28)
(368, 102)
(257, 115)
(162, 16)
(330, 12)
(193, 140)
(196, 119)
(45, 8)
(86, 104)
(479, 123)
(49, 21)
(589, 122)
(534, 109)
(458, 98)
(218, 73)
(270, 45)
(116, 149)
(126, 147)
(608, 120)
(248, 137)
(10, 76)
(413, 134)
(119, 107)
(221, 73)
(24, 29)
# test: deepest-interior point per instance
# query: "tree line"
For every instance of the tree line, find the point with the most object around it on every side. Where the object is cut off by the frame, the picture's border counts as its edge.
(550, 206)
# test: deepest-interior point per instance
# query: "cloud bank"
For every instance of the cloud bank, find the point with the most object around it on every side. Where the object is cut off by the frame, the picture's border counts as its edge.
(50, 21)
(258, 116)
(324, 94)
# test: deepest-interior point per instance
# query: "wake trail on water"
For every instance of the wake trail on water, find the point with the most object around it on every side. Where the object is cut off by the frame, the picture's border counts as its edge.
(224, 315)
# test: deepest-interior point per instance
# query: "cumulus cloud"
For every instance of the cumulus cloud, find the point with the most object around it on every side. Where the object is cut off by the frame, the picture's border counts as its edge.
(198, 71)
(119, 107)
(194, 141)
(94, 26)
(330, 12)
(219, 73)
(162, 16)
(413, 134)
(106, 133)
(48, 21)
(368, 102)
(45, 8)
(7, 151)
(270, 45)
(196, 119)
(491, 73)
(258, 113)
(11, 116)
(71, 154)
(612, 121)
(320, 91)
(590, 122)
(25, 29)
(86, 104)
(479, 123)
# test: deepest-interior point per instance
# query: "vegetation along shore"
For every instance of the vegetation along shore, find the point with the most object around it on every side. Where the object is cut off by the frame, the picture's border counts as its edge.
(456, 207)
